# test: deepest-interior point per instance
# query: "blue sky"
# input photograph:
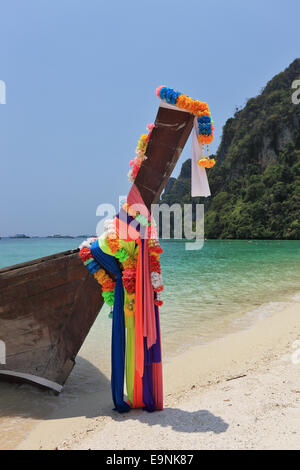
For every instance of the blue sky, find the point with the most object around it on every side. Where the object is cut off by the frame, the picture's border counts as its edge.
(81, 78)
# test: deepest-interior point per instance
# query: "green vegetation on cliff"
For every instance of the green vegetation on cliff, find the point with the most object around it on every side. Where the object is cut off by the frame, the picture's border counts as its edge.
(255, 183)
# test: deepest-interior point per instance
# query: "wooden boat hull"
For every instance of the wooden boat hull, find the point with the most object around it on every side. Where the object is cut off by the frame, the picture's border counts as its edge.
(46, 310)
(47, 306)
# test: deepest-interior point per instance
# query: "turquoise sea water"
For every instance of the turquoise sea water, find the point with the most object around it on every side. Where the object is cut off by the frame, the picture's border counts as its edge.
(208, 293)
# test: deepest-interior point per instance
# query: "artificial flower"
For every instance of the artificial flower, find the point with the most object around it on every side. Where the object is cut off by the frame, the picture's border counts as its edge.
(206, 162)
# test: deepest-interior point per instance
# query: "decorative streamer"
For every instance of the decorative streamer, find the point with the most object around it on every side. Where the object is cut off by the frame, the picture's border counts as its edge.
(118, 330)
(200, 186)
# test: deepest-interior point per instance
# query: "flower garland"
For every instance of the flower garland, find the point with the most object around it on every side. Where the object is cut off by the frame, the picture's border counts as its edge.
(113, 242)
(205, 129)
(155, 251)
(196, 107)
(115, 247)
(107, 283)
(140, 154)
(200, 109)
(129, 263)
(129, 282)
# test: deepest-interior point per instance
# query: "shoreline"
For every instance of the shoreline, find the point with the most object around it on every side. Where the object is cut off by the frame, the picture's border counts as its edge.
(239, 360)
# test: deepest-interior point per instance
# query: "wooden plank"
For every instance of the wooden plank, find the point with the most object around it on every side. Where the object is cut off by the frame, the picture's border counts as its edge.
(171, 131)
(38, 261)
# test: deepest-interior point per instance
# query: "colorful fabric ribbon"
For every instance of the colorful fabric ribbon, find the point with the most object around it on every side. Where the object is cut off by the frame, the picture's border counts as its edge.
(118, 329)
(148, 389)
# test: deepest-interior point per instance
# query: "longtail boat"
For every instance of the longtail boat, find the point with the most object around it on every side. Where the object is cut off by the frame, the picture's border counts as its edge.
(48, 305)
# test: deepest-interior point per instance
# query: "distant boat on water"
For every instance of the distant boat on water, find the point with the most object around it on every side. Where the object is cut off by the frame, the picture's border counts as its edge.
(20, 235)
(60, 236)
(86, 236)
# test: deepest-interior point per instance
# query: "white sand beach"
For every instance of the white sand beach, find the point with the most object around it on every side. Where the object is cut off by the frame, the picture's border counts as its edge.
(239, 392)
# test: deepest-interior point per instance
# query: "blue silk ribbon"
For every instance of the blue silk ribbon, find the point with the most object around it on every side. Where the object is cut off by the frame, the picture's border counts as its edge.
(118, 329)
